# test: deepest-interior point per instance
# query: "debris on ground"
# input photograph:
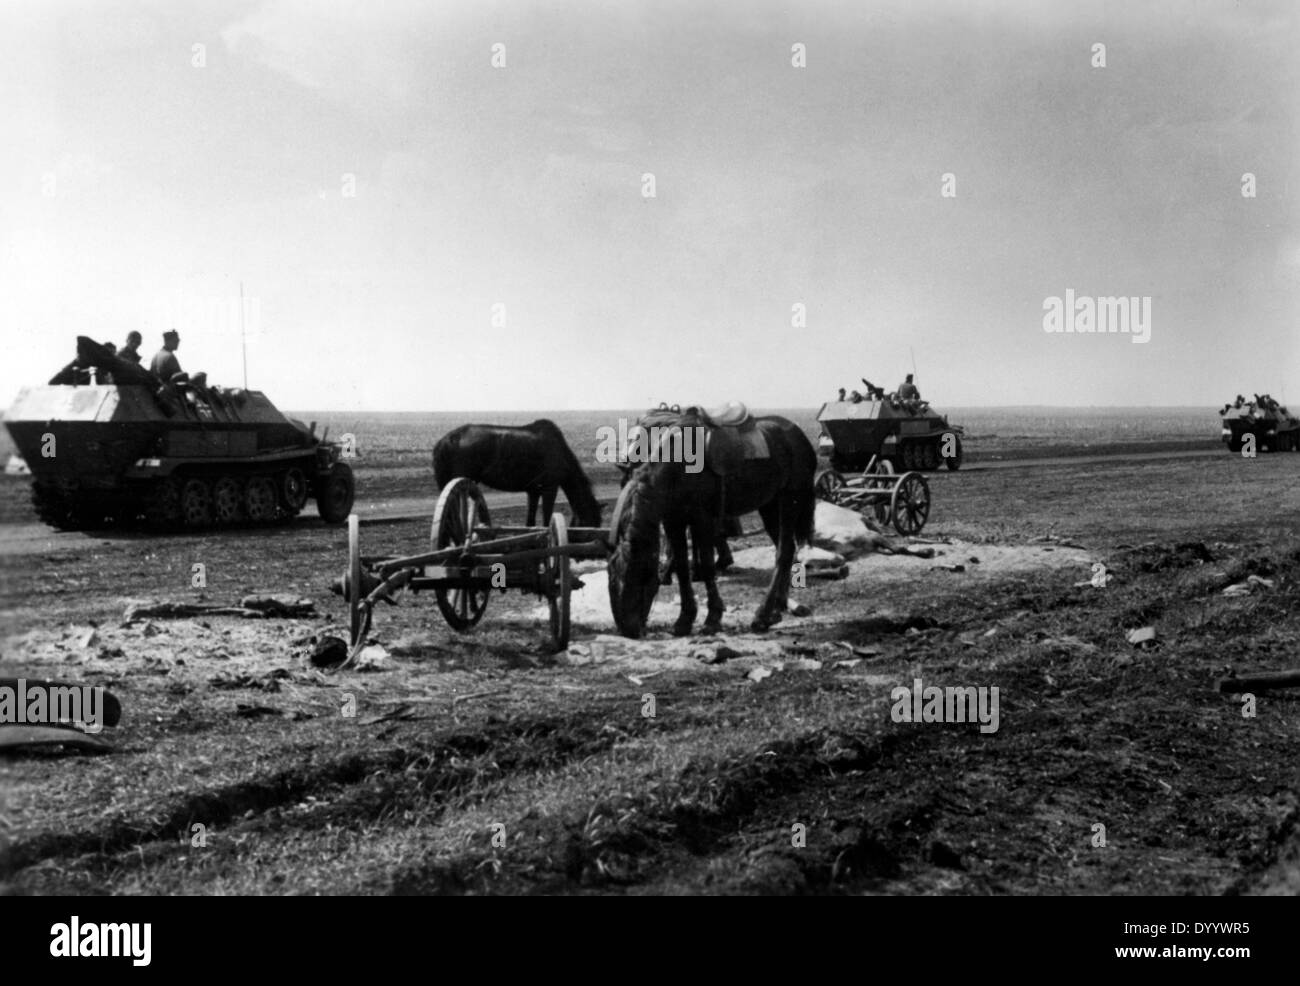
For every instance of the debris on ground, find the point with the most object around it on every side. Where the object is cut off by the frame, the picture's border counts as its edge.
(371, 658)
(1153, 557)
(1247, 587)
(1144, 637)
(15, 737)
(329, 652)
(804, 664)
(858, 651)
(250, 607)
(1259, 681)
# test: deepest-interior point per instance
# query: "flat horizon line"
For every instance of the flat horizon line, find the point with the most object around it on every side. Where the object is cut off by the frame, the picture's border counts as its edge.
(601, 410)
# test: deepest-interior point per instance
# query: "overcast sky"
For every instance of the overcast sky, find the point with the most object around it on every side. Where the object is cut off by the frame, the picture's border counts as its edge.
(378, 186)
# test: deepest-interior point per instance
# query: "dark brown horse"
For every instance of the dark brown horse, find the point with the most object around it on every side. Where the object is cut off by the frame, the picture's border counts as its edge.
(533, 459)
(780, 488)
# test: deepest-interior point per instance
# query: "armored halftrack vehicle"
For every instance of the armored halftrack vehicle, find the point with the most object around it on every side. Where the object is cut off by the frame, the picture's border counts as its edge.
(1273, 427)
(108, 442)
(906, 432)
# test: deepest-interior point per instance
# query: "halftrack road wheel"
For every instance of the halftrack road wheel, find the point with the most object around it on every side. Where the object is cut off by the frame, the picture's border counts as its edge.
(162, 503)
(227, 500)
(293, 490)
(260, 499)
(196, 503)
(460, 509)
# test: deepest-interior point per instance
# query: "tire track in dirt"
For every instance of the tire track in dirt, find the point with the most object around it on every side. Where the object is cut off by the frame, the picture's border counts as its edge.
(444, 767)
(680, 829)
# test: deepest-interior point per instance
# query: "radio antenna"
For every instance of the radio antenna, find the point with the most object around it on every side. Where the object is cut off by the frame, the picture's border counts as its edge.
(243, 339)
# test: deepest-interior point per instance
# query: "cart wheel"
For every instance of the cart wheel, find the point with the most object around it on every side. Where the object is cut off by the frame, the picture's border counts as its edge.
(358, 614)
(460, 508)
(559, 581)
(828, 484)
(881, 509)
(910, 504)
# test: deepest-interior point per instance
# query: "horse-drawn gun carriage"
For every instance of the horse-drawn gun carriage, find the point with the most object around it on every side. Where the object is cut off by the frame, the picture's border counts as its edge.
(903, 500)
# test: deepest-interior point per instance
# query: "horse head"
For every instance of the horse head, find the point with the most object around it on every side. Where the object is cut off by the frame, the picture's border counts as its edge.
(633, 565)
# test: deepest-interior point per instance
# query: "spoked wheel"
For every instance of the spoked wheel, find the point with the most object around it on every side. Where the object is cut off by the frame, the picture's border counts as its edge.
(358, 613)
(460, 508)
(260, 499)
(910, 504)
(559, 581)
(227, 500)
(828, 484)
(880, 506)
(196, 503)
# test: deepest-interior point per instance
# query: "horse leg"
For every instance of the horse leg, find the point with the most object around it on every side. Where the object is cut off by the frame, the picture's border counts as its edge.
(548, 504)
(532, 508)
(703, 535)
(725, 559)
(772, 609)
(668, 564)
(676, 531)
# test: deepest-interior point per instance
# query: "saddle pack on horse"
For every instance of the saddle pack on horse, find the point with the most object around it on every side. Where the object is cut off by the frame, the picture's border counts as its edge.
(731, 434)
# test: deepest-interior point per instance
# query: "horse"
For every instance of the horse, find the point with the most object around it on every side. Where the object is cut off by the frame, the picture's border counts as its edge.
(729, 528)
(665, 492)
(533, 459)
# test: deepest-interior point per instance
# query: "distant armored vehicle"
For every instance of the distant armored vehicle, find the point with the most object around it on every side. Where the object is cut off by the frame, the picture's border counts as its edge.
(1274, 428)
(107, 442)
(905, 432)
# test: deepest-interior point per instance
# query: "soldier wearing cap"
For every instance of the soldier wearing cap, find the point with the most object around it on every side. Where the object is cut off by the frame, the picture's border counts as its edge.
(165, 364)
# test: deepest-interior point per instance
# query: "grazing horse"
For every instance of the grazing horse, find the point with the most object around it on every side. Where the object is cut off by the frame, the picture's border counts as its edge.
(533, 459)
(729, 528)
(780, 488)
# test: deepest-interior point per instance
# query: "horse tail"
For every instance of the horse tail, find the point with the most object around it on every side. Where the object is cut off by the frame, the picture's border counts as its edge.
(445, 455)
(805, 513)
(805, 506)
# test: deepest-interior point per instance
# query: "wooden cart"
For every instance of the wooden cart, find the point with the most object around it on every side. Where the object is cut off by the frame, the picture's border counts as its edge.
(470, 560)
(903, 500)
